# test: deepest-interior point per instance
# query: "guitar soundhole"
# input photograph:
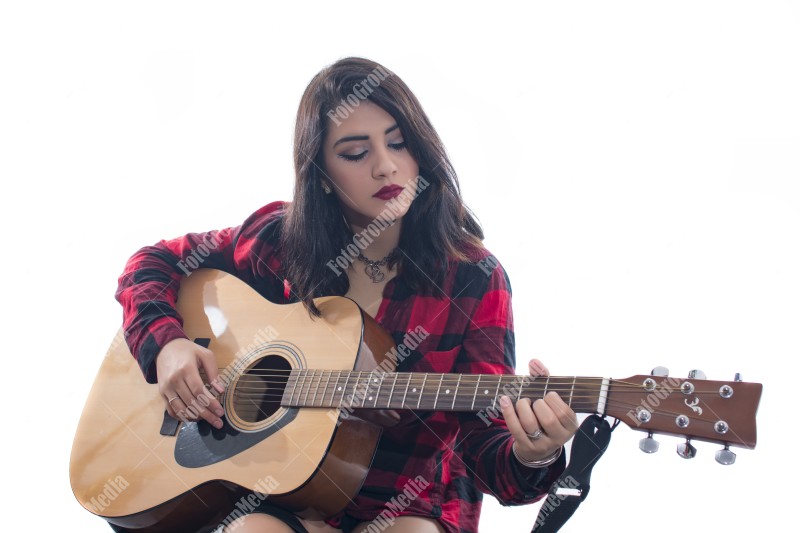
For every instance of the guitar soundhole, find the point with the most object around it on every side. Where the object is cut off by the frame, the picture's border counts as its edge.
(258, 391)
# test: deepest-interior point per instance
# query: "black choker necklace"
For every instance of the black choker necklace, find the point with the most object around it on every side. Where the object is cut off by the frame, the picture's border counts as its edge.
(373, 268)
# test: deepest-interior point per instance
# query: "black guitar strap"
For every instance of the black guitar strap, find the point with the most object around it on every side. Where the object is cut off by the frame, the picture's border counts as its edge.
(569, 490)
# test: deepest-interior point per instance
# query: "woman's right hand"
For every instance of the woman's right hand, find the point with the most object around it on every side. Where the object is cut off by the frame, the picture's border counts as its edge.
(178, 371)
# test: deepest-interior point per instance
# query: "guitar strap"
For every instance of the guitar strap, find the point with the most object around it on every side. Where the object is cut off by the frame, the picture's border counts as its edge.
(572, 487)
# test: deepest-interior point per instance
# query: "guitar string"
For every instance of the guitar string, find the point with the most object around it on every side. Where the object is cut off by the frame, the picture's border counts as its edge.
(462, 383)
(576, 401)
(426, 394)
(319, 374)
(588, 408)
(590, 400)
(447, 379)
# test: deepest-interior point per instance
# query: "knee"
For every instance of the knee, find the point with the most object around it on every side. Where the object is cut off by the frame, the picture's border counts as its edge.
(257, 523)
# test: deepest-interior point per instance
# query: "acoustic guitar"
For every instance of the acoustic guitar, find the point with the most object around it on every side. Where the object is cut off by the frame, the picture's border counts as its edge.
(298, 401)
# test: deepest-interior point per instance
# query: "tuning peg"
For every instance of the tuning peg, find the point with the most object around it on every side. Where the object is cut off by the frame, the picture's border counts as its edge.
(725, 456)
(660, 371)
(737, 377)
(686, 450)
(697, 374)
(648, 444)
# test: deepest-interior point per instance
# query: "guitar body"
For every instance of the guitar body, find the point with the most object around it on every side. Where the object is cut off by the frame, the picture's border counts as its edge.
(311, 461)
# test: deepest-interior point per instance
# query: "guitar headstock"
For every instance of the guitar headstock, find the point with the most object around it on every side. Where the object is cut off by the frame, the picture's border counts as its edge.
(723, 412)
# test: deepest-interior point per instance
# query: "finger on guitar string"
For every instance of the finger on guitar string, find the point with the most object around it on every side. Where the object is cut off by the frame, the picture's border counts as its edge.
(552, 407)
(556, 418)
(538, 449)
(567, 417)
(526, 416)
(178, 367)
(524, 406)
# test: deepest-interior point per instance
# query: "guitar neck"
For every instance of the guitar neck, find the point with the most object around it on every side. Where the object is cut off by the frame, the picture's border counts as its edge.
(438, 392)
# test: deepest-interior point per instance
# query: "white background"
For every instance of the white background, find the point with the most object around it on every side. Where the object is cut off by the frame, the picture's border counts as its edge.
(635, 166)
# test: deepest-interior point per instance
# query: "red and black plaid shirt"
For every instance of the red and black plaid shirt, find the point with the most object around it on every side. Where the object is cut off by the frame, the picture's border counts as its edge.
(471, 331)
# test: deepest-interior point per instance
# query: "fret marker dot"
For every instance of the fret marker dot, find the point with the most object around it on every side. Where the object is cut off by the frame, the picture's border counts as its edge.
(447, 391)
(486, 391)
(339, 388)
(414, 389)
(370, 398)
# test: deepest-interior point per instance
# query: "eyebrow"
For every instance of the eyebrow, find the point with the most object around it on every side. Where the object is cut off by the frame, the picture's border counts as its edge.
(362, 137)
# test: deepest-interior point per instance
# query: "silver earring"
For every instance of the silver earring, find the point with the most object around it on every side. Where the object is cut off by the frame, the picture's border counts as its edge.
(326, 188)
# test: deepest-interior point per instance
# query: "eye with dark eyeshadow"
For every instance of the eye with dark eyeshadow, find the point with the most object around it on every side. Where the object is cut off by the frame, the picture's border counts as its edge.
(394, 146)
(358, 157)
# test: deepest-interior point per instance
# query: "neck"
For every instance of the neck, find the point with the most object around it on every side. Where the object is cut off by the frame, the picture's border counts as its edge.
(380, 246)
(446, 392)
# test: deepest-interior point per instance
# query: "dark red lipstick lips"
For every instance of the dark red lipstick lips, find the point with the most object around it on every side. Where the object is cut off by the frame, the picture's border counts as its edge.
(388, 192)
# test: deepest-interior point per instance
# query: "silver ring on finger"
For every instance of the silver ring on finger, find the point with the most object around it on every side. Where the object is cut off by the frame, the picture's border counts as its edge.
(536, 435)
(169, 401)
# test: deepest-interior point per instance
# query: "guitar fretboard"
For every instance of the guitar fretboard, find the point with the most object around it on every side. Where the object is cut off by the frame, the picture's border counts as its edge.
(438, 392)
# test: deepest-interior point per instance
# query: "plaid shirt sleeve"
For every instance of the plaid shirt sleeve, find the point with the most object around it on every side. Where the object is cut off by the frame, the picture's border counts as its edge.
(488, 348)
(148, 287)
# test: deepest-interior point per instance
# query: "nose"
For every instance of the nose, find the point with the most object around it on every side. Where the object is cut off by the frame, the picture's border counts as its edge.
(384, 166)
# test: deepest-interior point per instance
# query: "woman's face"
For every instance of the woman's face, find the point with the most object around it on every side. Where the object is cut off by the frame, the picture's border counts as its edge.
(368, 164)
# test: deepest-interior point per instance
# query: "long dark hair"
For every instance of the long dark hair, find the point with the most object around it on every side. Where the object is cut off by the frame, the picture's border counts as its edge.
(437, 227)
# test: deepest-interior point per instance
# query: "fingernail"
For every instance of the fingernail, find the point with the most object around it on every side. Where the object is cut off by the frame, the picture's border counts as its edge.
(219, 412)
(218, 424)
(504, 401)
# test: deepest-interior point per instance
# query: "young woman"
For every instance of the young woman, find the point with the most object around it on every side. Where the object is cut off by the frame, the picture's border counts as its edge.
(377, 216)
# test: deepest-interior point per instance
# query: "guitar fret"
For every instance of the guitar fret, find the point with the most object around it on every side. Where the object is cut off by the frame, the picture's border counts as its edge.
(571, 391)
(422, 389)
(477, 386)
(336, 386)
(325, 390)
(290, 386)
(391, 391)
(436, 400)
(494, 402)
(546, 384)
(316, 389)
(455, 394)
(308, 389)
(303, 374)
(408, 383)
(364, 398)
(378, 392)
(316, 385)
(344, 391)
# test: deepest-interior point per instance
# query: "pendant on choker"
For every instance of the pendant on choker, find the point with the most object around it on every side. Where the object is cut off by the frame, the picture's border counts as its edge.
(373, 268)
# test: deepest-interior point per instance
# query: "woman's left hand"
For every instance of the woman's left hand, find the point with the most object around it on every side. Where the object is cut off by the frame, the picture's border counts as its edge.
(542, 427)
